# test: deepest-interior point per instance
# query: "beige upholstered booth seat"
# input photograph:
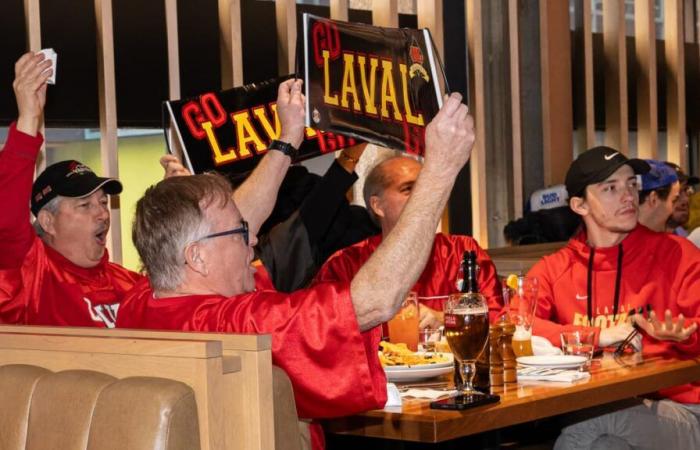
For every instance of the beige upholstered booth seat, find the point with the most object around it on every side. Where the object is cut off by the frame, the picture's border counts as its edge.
(83, 409)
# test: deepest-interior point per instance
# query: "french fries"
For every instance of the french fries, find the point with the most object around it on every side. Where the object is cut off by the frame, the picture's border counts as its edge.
(400, 355)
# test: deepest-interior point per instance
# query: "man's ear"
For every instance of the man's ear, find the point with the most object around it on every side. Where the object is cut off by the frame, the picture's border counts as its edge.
(46, 221)
(653, 199)
(194, 259)
(375, 205)
(579, 206)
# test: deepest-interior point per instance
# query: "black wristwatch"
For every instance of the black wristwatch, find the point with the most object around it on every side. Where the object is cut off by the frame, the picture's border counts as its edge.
(284, 147)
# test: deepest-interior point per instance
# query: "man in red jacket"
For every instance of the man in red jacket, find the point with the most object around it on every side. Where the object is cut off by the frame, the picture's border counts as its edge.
(386, 191)
(196, 243)
(612, 267)
(62, 276)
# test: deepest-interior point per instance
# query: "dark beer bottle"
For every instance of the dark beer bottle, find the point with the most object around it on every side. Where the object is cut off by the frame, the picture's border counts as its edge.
(470, 285)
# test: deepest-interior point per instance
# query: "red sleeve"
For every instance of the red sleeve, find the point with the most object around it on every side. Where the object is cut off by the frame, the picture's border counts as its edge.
(686, 285)
(17, 161)
(342, 266)
(333, 367)
(545, 324)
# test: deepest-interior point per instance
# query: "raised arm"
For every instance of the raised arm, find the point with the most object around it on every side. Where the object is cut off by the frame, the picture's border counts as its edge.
(256, 197)
(18, 158)
(382, 283)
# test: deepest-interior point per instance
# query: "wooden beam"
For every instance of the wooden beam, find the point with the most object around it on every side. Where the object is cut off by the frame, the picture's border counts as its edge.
(477, 162)
(108, 116)
(647, 107)
(385, 13)
(32, 21)
(675, 83)
(616, 108)
(557, 116)
(230, 47)
(583, 92)
(339, 10)
(513, 32)
(286, 14)
(430, 16)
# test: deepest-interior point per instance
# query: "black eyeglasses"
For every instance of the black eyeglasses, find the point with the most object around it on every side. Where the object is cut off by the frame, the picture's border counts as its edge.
(243, 229)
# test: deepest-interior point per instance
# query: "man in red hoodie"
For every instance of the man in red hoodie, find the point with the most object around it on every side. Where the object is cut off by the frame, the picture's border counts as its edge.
(196, 244)
(612, 267)
(62, 276)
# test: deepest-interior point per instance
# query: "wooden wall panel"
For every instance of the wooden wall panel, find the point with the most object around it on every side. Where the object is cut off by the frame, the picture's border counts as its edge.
(32, 18)
(230, 46)
(385, 13)
(286, 14)
(647, 106)
(675, 83)
(584, 88)
(477, 161)
(557, 116)
(514, 35)
(616, 110)
(339, 10)
(108, 117)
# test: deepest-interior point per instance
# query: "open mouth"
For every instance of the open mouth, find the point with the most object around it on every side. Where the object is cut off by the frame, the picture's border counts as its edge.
(101, 237)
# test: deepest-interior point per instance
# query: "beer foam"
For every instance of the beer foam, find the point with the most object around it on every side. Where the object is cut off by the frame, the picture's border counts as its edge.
(470, 311)
(521, 334)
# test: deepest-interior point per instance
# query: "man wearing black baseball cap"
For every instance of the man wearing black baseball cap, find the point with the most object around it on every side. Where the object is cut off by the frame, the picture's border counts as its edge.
(613, 268)
(62, 276)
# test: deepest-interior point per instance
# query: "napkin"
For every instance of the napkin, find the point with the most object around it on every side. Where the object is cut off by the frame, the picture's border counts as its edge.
(542, 347)
(555, 375)
(394, 396)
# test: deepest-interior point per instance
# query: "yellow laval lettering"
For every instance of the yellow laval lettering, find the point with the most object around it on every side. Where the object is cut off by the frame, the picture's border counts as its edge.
(219, 157)
(349, 86)
(410, 118)
(272, 133)
(389, 91)
(327, 98)
(368, 89)
(580, 320)
(246, 134)
(309, 132)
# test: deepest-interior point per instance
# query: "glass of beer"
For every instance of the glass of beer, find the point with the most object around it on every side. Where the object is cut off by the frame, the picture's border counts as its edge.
(467, 332)
(522, 301)
(403, 328)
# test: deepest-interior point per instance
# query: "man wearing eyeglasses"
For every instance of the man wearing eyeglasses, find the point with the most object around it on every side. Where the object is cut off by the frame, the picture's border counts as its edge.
(192, 236)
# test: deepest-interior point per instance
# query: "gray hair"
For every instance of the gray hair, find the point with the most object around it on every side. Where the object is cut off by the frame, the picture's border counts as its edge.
(169, 216)
(52, 207)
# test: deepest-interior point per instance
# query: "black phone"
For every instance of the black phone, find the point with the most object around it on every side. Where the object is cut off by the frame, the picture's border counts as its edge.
(462, 402)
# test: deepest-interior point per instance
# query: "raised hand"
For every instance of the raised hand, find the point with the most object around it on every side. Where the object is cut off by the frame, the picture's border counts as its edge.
(666, 330)
(291, 110)
(449, 137)
(31, 75)
(173, 167)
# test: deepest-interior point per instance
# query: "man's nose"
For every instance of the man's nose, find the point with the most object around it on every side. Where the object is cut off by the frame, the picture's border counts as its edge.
(253, 240)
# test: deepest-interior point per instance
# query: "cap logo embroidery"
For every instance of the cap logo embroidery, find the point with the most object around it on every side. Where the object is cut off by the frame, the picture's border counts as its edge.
(610, 156)
(75, 169)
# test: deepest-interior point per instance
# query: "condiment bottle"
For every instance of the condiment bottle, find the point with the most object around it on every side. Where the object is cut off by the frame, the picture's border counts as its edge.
(510, 373)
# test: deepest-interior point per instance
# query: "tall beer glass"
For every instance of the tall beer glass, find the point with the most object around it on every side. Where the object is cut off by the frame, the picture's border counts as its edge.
(467, 332)
(522, 302)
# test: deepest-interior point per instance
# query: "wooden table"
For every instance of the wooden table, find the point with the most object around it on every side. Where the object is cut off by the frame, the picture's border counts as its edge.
(611, 380)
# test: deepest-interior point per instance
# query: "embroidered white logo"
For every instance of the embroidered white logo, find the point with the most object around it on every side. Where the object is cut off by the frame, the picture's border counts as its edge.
(581, 297)
(106, 314)
(610, 156)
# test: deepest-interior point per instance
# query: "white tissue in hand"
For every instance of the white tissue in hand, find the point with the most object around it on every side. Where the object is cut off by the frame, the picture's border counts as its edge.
(49, 53)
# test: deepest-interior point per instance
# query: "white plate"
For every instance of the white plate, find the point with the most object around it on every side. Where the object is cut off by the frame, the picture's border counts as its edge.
(420, 371)
(553, 361)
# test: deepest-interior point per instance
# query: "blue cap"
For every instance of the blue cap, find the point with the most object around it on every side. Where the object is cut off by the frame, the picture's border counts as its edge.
(659, 176)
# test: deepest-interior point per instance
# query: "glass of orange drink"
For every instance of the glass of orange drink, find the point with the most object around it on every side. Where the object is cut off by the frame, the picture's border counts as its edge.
(403, 328)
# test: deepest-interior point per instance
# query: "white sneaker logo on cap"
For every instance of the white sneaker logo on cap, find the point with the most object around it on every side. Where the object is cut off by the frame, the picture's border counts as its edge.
(610, 156)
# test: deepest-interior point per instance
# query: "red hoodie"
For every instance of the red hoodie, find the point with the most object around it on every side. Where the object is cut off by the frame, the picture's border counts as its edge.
(657, 269)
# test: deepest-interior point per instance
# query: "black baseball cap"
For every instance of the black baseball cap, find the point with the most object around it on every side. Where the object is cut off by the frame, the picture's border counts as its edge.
(684, 178)
(597, 164)
(69, 179)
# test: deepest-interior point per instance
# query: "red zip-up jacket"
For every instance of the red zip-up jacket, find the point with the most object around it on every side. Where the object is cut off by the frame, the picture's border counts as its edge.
(657, 269)
(38, 286)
